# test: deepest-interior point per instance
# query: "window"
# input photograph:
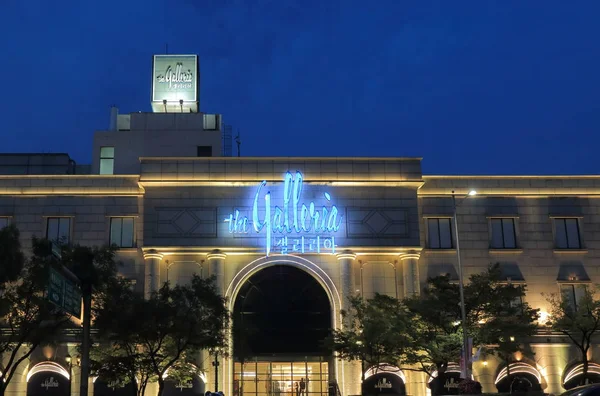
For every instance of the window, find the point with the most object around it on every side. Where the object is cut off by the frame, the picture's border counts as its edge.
(503, 234)
(4, 221)
(121, 232)
(440, 235)
(573, 293)
(567, 233)
(107, 160)
(204, 151)
(211, 122)
(59, 229)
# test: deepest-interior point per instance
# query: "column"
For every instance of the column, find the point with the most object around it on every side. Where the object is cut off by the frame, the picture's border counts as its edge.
(345, 260)
(216, 260)
(216, 268)
(152, 259)
(410, 273)
(350, 382)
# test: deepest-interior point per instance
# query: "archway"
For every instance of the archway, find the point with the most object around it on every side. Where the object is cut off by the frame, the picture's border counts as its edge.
(446, 384)
(574, 375)
(281, 316)
(520, 373)
(384, 379)
(103, 387)
(48, 379)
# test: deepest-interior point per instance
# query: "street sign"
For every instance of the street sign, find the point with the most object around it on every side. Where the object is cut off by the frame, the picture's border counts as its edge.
(64, 293)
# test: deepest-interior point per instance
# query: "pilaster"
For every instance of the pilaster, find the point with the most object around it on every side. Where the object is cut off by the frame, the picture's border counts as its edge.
(410, 273)
(152, 259)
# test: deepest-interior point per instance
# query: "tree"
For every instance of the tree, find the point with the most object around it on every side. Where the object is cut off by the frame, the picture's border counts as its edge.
(29, 319)
(506, 321)
(491, 312)
(579, 320)
(144, 339)
(435, 329)
(12, 258)
(375, 332)
(95, 267)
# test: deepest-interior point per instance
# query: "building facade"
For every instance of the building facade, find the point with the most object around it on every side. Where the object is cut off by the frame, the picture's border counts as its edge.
(295, 237)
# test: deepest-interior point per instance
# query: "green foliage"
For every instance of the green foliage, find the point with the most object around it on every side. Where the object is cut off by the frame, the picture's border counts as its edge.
(28, 319)
(493, 317)
(146, 338)
(95, 267)
(580, 322)
(435, 329)
(375, 331)
(12, 259)
(506, 321)
(435, 326)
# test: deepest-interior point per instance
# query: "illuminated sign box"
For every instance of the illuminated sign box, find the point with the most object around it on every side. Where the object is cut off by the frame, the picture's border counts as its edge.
(175, 79)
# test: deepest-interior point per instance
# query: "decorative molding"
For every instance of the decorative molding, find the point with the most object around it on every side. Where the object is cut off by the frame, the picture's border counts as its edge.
(377, 222)
(346, 255)
(506, 251)
(409, 256)
(570, 251)
(216, 255)
(186, 222)
(153, 254)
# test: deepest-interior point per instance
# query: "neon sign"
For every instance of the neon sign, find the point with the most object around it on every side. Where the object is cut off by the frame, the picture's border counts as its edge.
(291, 216)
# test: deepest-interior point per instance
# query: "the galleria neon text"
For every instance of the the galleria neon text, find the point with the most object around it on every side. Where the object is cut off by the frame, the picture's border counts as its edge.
(290, 216)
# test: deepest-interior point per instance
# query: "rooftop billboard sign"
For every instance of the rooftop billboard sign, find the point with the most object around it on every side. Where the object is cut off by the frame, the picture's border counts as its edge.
(175, 79)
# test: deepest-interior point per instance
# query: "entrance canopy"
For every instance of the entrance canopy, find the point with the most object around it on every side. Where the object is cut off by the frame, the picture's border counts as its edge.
(521, 372)
(48, 379)
(384, 379)
(574, 375)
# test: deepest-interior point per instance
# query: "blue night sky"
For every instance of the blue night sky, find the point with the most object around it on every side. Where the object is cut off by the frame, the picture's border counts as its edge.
(473, 87)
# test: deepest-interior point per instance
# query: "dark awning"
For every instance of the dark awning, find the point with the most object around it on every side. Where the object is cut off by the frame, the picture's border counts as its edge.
(48, 383)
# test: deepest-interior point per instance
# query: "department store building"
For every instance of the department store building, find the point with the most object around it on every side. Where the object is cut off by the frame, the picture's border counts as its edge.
(290, 239)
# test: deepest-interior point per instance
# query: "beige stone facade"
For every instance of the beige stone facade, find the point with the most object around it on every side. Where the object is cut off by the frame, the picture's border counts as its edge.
(179, 207)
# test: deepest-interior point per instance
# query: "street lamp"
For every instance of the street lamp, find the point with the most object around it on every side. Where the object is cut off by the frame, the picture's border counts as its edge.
(68, 359)
(465, 347)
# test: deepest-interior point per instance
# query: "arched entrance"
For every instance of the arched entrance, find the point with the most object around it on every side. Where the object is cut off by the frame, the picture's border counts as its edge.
(48, 379)
(103, 387)
(522, 375)
(384, 379)
(574, 375)
(281, 316)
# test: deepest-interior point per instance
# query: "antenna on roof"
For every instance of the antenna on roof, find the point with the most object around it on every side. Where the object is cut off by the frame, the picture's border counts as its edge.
(238, 142)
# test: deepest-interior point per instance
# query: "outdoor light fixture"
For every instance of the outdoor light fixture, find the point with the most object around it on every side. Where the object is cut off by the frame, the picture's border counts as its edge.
(485, 362)
(68, 359)
(48, 351)
(472, 192)
(512, 339)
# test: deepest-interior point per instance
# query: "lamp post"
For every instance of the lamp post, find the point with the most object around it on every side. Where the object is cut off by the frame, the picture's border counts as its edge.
(465, 347)
(215, 364)
(70, 364)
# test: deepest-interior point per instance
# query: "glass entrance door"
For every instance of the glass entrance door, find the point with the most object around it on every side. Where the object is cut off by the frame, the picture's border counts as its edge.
(260, 378)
